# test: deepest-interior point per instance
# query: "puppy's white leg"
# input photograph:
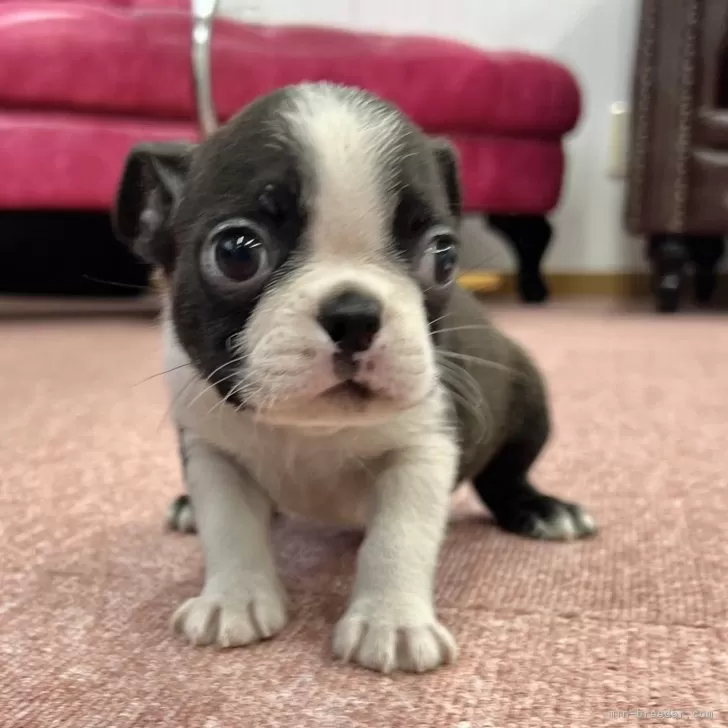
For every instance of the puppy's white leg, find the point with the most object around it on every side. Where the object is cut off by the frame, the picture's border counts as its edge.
(390, 622)
(243, 600)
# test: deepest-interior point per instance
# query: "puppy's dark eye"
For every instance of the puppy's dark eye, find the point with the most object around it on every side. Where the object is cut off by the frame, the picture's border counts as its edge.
(439, 261)
(446, 260)
(240, 255)
(238, 252)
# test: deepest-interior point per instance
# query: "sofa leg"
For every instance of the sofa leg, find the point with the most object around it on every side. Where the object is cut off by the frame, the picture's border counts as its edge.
(705, 253)
(529, 236)
(669, 256)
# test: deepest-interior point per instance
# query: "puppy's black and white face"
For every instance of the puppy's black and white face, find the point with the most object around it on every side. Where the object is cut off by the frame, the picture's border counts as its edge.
(309, 245)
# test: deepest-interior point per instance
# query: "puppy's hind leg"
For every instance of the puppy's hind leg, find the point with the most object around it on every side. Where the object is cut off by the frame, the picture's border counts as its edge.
(180, 514)
(504, 486)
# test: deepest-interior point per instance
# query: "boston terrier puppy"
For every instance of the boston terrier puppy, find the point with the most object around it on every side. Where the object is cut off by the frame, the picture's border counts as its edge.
(323, 361)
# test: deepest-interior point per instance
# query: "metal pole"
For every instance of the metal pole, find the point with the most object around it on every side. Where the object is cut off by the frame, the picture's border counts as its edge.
(203, 16)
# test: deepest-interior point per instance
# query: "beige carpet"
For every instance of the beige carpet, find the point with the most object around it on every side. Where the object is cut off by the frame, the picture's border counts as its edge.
(551, 635)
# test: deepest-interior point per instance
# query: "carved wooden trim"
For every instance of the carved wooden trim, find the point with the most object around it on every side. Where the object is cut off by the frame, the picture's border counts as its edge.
(642, 99)
(686, 114)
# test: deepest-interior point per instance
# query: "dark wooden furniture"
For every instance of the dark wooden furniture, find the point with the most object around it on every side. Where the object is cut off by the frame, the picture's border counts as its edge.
(677, 194)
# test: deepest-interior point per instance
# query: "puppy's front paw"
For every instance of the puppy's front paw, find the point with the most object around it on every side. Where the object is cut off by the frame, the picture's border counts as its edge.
(385, 638)
(232, 619)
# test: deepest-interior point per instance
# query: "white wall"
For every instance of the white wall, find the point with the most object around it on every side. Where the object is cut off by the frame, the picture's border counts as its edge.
(595, 38)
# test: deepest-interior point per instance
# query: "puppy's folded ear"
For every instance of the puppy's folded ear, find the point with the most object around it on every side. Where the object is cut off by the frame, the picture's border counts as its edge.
(150, 189)
(447, 162)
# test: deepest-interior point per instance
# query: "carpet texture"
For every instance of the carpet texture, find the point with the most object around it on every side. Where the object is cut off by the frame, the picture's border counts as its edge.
(550, 634)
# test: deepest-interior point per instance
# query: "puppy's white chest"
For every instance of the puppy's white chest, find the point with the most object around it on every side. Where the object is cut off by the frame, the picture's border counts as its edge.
(320, 484)
(317, 478)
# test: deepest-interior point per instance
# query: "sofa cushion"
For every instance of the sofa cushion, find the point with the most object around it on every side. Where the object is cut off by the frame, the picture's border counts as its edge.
(125, 57)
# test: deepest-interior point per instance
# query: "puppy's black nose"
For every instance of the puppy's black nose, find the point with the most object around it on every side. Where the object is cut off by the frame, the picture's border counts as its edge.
(351, 319)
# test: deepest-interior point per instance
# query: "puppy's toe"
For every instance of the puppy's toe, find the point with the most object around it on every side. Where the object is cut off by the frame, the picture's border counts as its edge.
(231, 620)
(198, 619)
(385, 640)
(424, 648)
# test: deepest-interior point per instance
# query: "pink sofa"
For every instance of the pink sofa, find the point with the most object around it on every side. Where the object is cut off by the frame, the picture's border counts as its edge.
(80, 82)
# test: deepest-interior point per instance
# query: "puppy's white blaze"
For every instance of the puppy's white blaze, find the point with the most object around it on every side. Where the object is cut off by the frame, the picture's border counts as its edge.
(349, 140)
(351, 147)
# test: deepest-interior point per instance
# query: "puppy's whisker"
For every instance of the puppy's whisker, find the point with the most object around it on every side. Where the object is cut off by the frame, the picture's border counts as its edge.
(212, 384)
(453, 385)
(118, 284)
(234, 391)
(453, 380)
(480, 361)
(161, 374)
(270, 402)
(221, 400)
(194, 378)
(438, 319)
(185, 389)
(460, 383)
(467, 379)
(469, 327)
(230, 362)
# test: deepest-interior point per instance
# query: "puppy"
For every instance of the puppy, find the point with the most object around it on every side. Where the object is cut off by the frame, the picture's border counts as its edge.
(321, 360)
